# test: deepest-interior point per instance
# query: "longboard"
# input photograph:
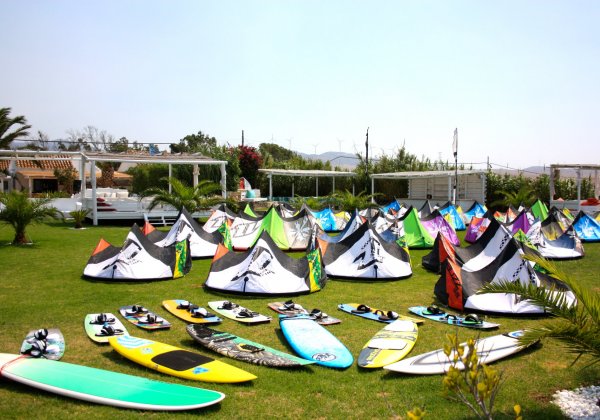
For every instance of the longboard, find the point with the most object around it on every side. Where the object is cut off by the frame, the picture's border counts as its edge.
(389, 345)
(46, 342)
(295, 309)
(238, 312)
(177, 362)
(374, 314)
(103, 386)
(189, 312)
(313, 342)
(99, 327)
(231, 345)
(488, 350)
(445, 318)
(141, 319)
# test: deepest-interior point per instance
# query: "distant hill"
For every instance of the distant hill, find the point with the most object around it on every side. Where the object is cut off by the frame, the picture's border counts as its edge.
(341, 159)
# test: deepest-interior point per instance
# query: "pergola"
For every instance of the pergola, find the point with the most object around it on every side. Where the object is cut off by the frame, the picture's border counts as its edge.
(92, 157)
(305, 173)
(478, 191)
(555, 168)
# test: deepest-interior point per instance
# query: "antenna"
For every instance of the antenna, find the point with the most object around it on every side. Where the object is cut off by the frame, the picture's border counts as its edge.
(315, 146)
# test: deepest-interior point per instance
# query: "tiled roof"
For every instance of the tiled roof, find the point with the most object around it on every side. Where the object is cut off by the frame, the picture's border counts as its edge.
(40, 164)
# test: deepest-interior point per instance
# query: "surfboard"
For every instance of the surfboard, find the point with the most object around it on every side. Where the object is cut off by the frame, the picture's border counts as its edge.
(177, 362)
(231, 345)
(375, 314)
(45, 342)
(434, 362)
(446, 318)
(189, 312)
(389, 345)
(141, 318)
(291, 308)
(99, 327)
(313, 342)
(237, 312)
(103, 386)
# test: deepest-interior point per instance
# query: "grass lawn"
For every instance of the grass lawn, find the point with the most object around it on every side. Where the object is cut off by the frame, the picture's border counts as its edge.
(41, 286)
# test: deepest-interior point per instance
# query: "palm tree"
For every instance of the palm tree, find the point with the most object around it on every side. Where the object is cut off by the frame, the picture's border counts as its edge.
(349, 202)
(577, 326)
(524, 196)
(19, 211)
(192, 198)
(6, 123)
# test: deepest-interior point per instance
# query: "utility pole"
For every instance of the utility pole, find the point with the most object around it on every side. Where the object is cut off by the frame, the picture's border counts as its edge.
(455, 151)
(367, 156)
(242, 138)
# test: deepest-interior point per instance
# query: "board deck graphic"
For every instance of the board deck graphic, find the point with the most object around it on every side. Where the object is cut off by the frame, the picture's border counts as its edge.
(374, 314)
(313, 342)
(390, 344)
(239, 348)
(45, 342)
(177, 362)
(434, 362)
(446, 318)
(143, 318)
(190, 312)
(288, 308)
(99, 327)
(237, 312)
(104, 387)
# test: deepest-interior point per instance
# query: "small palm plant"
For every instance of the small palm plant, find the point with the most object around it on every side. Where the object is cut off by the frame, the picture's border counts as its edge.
(79, 216)
(577, 326)
(19, 211)
(524, 196)
(349, 202)
(200, 197)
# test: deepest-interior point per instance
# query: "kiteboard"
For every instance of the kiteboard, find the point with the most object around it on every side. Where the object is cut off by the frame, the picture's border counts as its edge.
(488, 350)
(231, 345)
(143, 318)
(237, 312)
(99, 327)
(103, 386)
(437, 314)
(291, 308)
(45, 342)
(177, 362)
(375, 314)
(313, 342)
(189, 312)
(389, 345)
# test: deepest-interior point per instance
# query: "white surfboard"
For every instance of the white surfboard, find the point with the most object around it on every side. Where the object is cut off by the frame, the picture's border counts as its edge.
(435, 362)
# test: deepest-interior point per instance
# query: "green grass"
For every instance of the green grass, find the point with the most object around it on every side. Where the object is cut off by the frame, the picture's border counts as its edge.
(41, 286)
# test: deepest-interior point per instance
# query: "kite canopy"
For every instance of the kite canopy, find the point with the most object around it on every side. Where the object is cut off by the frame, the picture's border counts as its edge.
(435, 223)
(452, 216)
(415, 234)
(392, 207)
(266, 270)
(566, 246)
(219, 216)
(138, 259)
(477, 226)
(364, 254)
(587, 228)
(356, 220)
(476, 210)
(539, 210)
(203, 244)
(426, 209)
(522, 222)
(457, 286)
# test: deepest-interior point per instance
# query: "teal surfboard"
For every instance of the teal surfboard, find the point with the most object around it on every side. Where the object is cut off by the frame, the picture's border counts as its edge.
(437, 314)
(103, 386)
(313, 342)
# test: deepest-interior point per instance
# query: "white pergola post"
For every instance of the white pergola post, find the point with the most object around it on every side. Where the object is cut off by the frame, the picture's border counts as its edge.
(29, 186)
(93, 182)
(223, 180)
(450, 190)
(82, 177)
(170, 175)
(196, 172)
(578, 189)
(271, 187)
(372, 189)
(483, 189)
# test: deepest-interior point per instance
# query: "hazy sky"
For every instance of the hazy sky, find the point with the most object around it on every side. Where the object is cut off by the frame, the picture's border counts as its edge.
(520, 79)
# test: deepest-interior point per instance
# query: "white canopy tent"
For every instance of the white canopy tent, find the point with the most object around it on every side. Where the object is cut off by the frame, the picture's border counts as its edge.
(305, 173)
(438, 185)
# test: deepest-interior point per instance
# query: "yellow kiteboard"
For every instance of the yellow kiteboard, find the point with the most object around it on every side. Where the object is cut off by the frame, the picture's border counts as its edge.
(177, 362)
(389, 345)
(189, 312)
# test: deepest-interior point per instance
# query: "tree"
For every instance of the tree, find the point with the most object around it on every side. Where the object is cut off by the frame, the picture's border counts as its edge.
(19, 211)
(576, 326)
(7, 123)
(192, 199)
(66, 177)
(349, 202)
(250, 161)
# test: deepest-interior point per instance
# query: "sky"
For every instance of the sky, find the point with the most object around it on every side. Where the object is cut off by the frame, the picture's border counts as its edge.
(519, 79)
